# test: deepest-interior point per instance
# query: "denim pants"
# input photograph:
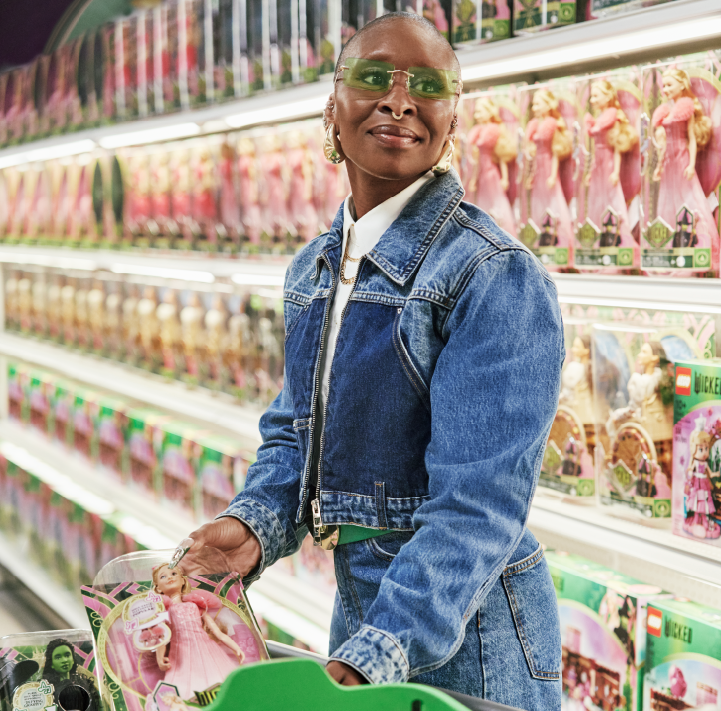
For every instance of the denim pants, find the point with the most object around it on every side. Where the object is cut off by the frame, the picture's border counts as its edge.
(511, 653)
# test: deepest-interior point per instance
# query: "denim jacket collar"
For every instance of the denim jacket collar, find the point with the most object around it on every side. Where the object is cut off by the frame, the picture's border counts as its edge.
(405, 242)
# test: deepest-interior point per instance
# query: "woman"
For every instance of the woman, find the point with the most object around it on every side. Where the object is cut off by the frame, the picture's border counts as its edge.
(413, 432)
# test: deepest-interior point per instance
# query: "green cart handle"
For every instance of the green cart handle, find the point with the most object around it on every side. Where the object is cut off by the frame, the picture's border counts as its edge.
(301, 684)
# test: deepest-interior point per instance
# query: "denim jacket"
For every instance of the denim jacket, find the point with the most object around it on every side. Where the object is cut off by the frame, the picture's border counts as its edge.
(443, 387)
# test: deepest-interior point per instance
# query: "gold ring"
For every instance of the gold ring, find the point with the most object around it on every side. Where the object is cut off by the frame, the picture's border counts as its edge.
(397, 118)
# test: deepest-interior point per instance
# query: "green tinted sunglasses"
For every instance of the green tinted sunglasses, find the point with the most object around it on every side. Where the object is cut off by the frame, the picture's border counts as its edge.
(421, 82)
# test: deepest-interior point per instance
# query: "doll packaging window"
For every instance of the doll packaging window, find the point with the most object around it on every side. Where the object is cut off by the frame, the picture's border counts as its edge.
(487, 152)
(683, 648)
(609, 168)
(547, 184)
(633, 377)
(696, 506)
(165, 640)
(567, 466)
(48, 670)
(603, 622)
(478, 21)
(682, 168)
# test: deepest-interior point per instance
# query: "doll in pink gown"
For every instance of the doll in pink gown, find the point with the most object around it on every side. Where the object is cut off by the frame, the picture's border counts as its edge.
(547, 143)
(698, 489)
(302, 212)
(248, 192)
(603, 204)
(488, 187)
(681, 129)
(275, 198)
(201, 654)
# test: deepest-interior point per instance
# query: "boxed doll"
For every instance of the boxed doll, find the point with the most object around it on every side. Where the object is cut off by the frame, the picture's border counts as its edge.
(48, 670)
(534, 15)
(144, 444)
(567, 465)
(478, 21)
(607, 225)
(696, 507)
(683, 171)
(603, 623)
(225, 28)
(683, 649)
(634, 385)
(167, 639)
(548, 183)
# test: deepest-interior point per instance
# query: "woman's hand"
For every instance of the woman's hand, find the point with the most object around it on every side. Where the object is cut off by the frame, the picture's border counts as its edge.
(344, 675)
(223, 546)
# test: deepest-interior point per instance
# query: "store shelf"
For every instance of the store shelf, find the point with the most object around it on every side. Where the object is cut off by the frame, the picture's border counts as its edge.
(655, 555)
(660, 293)
(645, 35)
(199, 405)
(288, 602)
(64, 603)
(265, 270)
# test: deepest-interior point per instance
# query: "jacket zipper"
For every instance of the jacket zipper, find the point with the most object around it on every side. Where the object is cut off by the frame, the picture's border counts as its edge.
(315, 505)
(309, 463)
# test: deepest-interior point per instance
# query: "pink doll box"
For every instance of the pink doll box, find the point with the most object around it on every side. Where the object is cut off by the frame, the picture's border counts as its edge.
(476, 22)
(48, 670)
(682, 170)
(548, 181)
(487, 143)
(696, 507)
(607, 224)
(633, 381)
(167, 639)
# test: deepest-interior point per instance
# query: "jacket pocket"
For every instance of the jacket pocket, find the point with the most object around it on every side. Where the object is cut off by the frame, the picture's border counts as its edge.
(388, 546)
(533, 603)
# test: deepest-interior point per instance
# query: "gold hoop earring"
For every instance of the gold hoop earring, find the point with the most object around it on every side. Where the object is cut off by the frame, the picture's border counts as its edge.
(446, 159)
(329, 148)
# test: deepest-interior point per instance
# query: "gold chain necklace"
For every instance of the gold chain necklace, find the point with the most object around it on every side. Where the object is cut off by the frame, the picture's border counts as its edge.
(347, 258)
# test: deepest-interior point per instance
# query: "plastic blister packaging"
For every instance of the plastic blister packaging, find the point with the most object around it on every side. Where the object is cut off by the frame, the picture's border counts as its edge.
(52, 670)
(165, 639)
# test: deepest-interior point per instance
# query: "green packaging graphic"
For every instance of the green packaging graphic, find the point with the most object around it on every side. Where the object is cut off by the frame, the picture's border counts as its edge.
(683, 656)
(603, 617)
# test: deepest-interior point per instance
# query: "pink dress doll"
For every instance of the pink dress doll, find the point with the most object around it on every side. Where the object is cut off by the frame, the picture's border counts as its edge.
(201, 654)
(301, 209)
(680, 130)
(488, 188)
(229, 206)
(248, 192)
(547, 144)
(275, 212)
(698, 489)
(603, 204)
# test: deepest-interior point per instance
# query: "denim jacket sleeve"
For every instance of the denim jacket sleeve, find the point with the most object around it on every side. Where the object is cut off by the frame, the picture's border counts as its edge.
(269, 500)
(494, 393)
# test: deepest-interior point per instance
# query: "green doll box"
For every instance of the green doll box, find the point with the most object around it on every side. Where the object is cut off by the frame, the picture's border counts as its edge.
(603, 618)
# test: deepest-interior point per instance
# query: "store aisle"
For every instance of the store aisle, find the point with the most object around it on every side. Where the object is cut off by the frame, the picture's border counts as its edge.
(21, 610)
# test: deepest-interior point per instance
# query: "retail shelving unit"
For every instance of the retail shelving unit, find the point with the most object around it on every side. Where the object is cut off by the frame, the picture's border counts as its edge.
(288, 602)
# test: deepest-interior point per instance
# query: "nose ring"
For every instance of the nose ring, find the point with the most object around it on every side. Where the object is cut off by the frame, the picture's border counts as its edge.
(397, 118)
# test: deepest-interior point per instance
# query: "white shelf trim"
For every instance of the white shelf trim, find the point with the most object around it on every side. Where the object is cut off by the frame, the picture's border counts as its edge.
(198, 405)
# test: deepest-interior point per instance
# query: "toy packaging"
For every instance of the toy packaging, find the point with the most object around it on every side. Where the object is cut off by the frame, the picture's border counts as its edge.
(535, 15)
(146, 62)
(547, 187)
(696, 508)
(165, 639)
(567, 465)
(48, 670)
(145, 439)
(634, 381)
(607, 226)
(258, 54)
(225, 34)
(475, 21)
(603, 623)
(604, 8)
(681, 179)
(683, 649)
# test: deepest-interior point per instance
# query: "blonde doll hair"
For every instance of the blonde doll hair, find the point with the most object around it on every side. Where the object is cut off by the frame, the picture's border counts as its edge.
(622, 137)
(562, 145)
(702, 123)
(505, 149)
(698, 437)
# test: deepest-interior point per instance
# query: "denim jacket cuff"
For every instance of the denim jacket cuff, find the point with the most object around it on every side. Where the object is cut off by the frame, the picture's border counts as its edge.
(265, 526)
(376, 655)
